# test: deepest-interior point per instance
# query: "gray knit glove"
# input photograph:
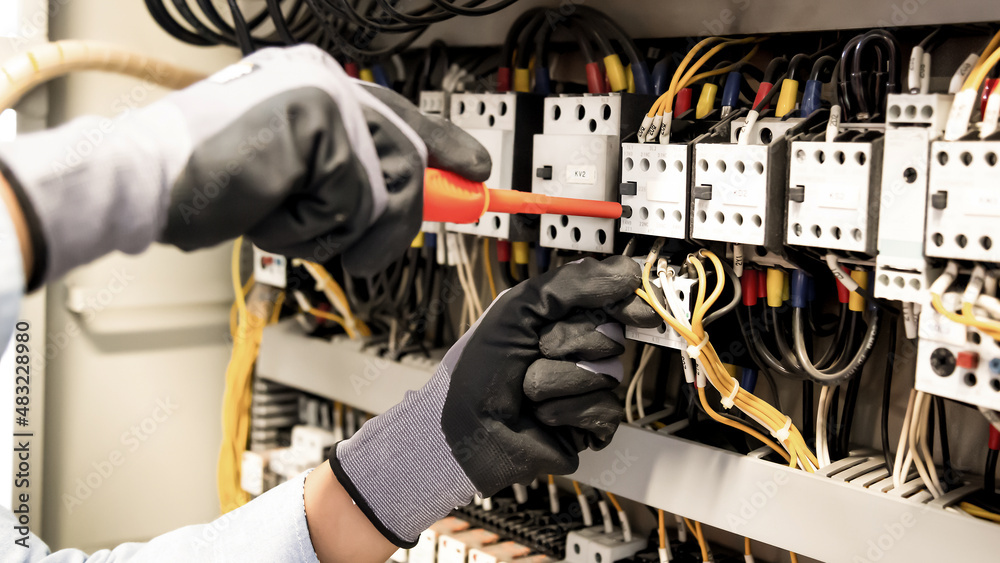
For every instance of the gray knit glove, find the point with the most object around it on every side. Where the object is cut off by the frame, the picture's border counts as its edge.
(283, 147)
(521, 394)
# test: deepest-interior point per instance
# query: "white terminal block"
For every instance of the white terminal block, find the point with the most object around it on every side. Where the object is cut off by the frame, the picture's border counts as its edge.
(654, 189)
(591, 545)
(310, 443)
(663, 335)
(454, 548)
(252, 468)
(951, 364)
(269, 268)
(763, 131)
(833, 195)
(730, 196)
(490, 119)
(426, 549)
(433, 102)
(963, 202)
(914, 120)
(577, 156)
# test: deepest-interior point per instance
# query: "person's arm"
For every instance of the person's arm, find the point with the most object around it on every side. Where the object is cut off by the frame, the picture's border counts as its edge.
(340, 531)
(20, 225)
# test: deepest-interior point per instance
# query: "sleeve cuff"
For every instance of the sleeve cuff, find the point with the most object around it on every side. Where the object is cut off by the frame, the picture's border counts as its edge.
(359, 500)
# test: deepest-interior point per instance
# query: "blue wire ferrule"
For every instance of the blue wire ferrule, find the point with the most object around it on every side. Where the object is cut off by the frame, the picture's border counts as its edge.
(660, 78)
(544, 257)
(748, 379)
(811, 98)
(543, 83)
(381, 78)
(640, 75)
(430, 240)
(798, 289)
(731, 91)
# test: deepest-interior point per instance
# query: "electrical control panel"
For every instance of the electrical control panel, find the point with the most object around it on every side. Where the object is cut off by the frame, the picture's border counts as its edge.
(956, 361)
(591, 545)
(505, 125)
(963, 203)
(654, 189)
(578, 155)
(833, 195)
(913, 121)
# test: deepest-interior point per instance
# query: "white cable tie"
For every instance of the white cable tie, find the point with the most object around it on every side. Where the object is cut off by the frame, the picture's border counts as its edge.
(695, 351)
(784, 432)
(728, 402)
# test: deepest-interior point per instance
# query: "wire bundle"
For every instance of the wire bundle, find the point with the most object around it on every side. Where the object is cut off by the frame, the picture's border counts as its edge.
(793, 447)
(346, 28)
(656, 123)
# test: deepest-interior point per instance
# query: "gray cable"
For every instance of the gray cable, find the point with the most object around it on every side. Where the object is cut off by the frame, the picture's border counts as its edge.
(831, 377)
(737, 296)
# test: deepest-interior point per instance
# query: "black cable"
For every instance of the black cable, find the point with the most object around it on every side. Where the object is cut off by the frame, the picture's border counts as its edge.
(808, 418)
(166, 21)
(949, 470)
(890, 364)
(990, 475)
(243, 38)
(847, 418)
(832, 424)
(463, 11)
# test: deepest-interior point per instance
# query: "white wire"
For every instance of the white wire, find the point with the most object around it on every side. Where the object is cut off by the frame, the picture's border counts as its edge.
(644, 357)
(902, 448)
(822, 455)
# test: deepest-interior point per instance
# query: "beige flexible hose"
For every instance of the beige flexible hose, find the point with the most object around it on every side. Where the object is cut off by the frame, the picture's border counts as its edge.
(52, 60)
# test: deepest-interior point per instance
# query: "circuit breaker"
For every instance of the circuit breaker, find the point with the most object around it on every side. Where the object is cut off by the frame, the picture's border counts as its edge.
(963, 203)
(833, 195)
(956, 361)
(913, 121)
(505, 125)
(738, 190)
(578, 155)
(654, 189)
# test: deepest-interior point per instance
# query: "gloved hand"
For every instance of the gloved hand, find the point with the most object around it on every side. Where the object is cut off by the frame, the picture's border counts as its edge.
(282, 146)
(526, 389)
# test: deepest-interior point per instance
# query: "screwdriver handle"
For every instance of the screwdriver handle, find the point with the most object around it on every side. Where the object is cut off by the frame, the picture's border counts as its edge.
(451, 198)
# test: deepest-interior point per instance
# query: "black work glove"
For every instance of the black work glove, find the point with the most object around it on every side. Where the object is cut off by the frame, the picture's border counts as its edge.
(283, 147)
(521, 394)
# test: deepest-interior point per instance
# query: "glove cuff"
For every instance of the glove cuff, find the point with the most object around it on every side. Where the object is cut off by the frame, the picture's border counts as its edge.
(399, 469)
(95, 185)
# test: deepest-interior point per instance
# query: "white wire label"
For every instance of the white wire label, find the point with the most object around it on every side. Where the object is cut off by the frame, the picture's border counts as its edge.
(232, 72)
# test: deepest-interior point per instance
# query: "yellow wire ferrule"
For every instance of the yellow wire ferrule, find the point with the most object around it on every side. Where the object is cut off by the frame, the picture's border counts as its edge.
(521, 252)
(616, 73)
(787, 97)
(630, 78)
(367, 75)
(775, 287)
(706, 102)
(418, 241)
(857, 302)
(522, 80)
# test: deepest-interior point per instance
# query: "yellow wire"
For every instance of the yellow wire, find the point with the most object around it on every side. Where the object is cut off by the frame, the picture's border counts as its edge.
(794, 557)
(279, 302)
(489, 267)
(797, 451)
(990, 49)
(698, 77)
(979, 512)
(746, 547)
(677, 74)
(349, 320)
(576, 487)
(241, 302)
(683, 75)
(702, 544)
(661, 529)
(614, 501)
(977, 76)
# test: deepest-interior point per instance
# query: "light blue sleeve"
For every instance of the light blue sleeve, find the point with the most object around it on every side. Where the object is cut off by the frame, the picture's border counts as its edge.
(11, 277)
(270, 528)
